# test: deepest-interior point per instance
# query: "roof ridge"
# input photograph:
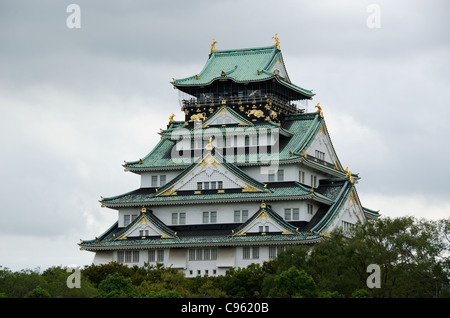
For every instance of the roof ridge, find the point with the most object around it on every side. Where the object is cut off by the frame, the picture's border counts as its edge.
(249, 49)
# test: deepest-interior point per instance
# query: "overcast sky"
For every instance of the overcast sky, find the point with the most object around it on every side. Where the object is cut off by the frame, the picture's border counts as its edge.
(76, 102)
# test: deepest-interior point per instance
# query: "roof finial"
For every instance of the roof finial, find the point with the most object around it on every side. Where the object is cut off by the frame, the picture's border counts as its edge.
(319, 110)
(171, 120)
(277, 41)
(213, 46)
(349, 175)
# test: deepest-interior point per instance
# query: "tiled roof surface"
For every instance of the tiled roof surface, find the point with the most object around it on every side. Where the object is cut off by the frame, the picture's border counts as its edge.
(242, 66)
(144, 196)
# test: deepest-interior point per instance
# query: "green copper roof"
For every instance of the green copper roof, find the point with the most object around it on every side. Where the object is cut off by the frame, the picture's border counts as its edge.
(241, 66)
(200, 240)
(145, 196)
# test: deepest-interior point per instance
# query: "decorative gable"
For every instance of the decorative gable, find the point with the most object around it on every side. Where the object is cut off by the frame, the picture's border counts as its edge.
(264, 221)
(322, 149)
(146, 225)
(350, 213)
(226, 116)
(212, 172)
(279, 69)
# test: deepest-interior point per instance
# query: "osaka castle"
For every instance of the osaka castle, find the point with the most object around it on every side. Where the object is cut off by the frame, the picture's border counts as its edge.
(245, 172)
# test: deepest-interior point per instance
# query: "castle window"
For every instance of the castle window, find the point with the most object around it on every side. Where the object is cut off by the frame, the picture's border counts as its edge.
(346, 226)
(213, 185)
(127, 219)
(240, 216)
(310, 209)
(313, 181)
(162, 180)
(292, 214)
(154, 181)
(287, 214)
(272, 252)
(179, 218)
(250, 252)
(210, 217)
(295, 214)
(320, 155)
(128, 256)
(301, 176)
(156, 256)
(203, 254)
(280, 175)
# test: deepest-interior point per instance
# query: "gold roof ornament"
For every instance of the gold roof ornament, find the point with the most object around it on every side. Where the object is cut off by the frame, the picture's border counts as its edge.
(277, 41)
(171, 120)
(263, 205)
(349, 175)
(143, 210)
(213, 46)
(319, 110)
(209, 146)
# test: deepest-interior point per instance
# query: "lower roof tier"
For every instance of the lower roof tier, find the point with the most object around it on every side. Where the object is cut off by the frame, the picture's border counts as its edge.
(340, 194)
(275, 191)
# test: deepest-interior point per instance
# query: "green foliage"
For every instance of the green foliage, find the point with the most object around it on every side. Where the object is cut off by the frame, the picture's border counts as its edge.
(244, 282)
(294, 283)
(413, 256)
(18, 284)
(38, 292)
(117, 286)
(361, 293)
(56, 283)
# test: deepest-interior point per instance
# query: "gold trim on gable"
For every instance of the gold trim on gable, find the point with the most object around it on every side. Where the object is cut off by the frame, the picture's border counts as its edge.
(249, 188)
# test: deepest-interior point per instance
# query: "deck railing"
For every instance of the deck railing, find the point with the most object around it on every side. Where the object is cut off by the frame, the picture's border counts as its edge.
(233, 101)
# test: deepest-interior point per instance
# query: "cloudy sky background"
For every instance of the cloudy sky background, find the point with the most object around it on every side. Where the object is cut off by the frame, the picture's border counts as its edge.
(75, 103)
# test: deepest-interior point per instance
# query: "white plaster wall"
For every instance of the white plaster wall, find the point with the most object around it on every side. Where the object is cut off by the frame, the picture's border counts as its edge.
(146, 177)
(302, 205)
(194, 213)
(103, 257)
(130, 211)
(225, 212)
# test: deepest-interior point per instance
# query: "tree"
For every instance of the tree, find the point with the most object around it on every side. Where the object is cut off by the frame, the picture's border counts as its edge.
(18, 284)
(244, 282)
(329, 263)
(294, 283)
(56, 282)
(38, 292)
(408, 252)
(117, 286)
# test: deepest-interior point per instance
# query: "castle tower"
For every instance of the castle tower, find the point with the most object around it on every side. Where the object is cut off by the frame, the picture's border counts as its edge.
(248, 171)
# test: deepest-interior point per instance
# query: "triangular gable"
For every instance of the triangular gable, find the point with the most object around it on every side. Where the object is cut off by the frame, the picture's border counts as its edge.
(279, 68)
(226, 116)
(265, 221)
(322, 143)
(213, 173)
(145, 225)
(344, 213)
